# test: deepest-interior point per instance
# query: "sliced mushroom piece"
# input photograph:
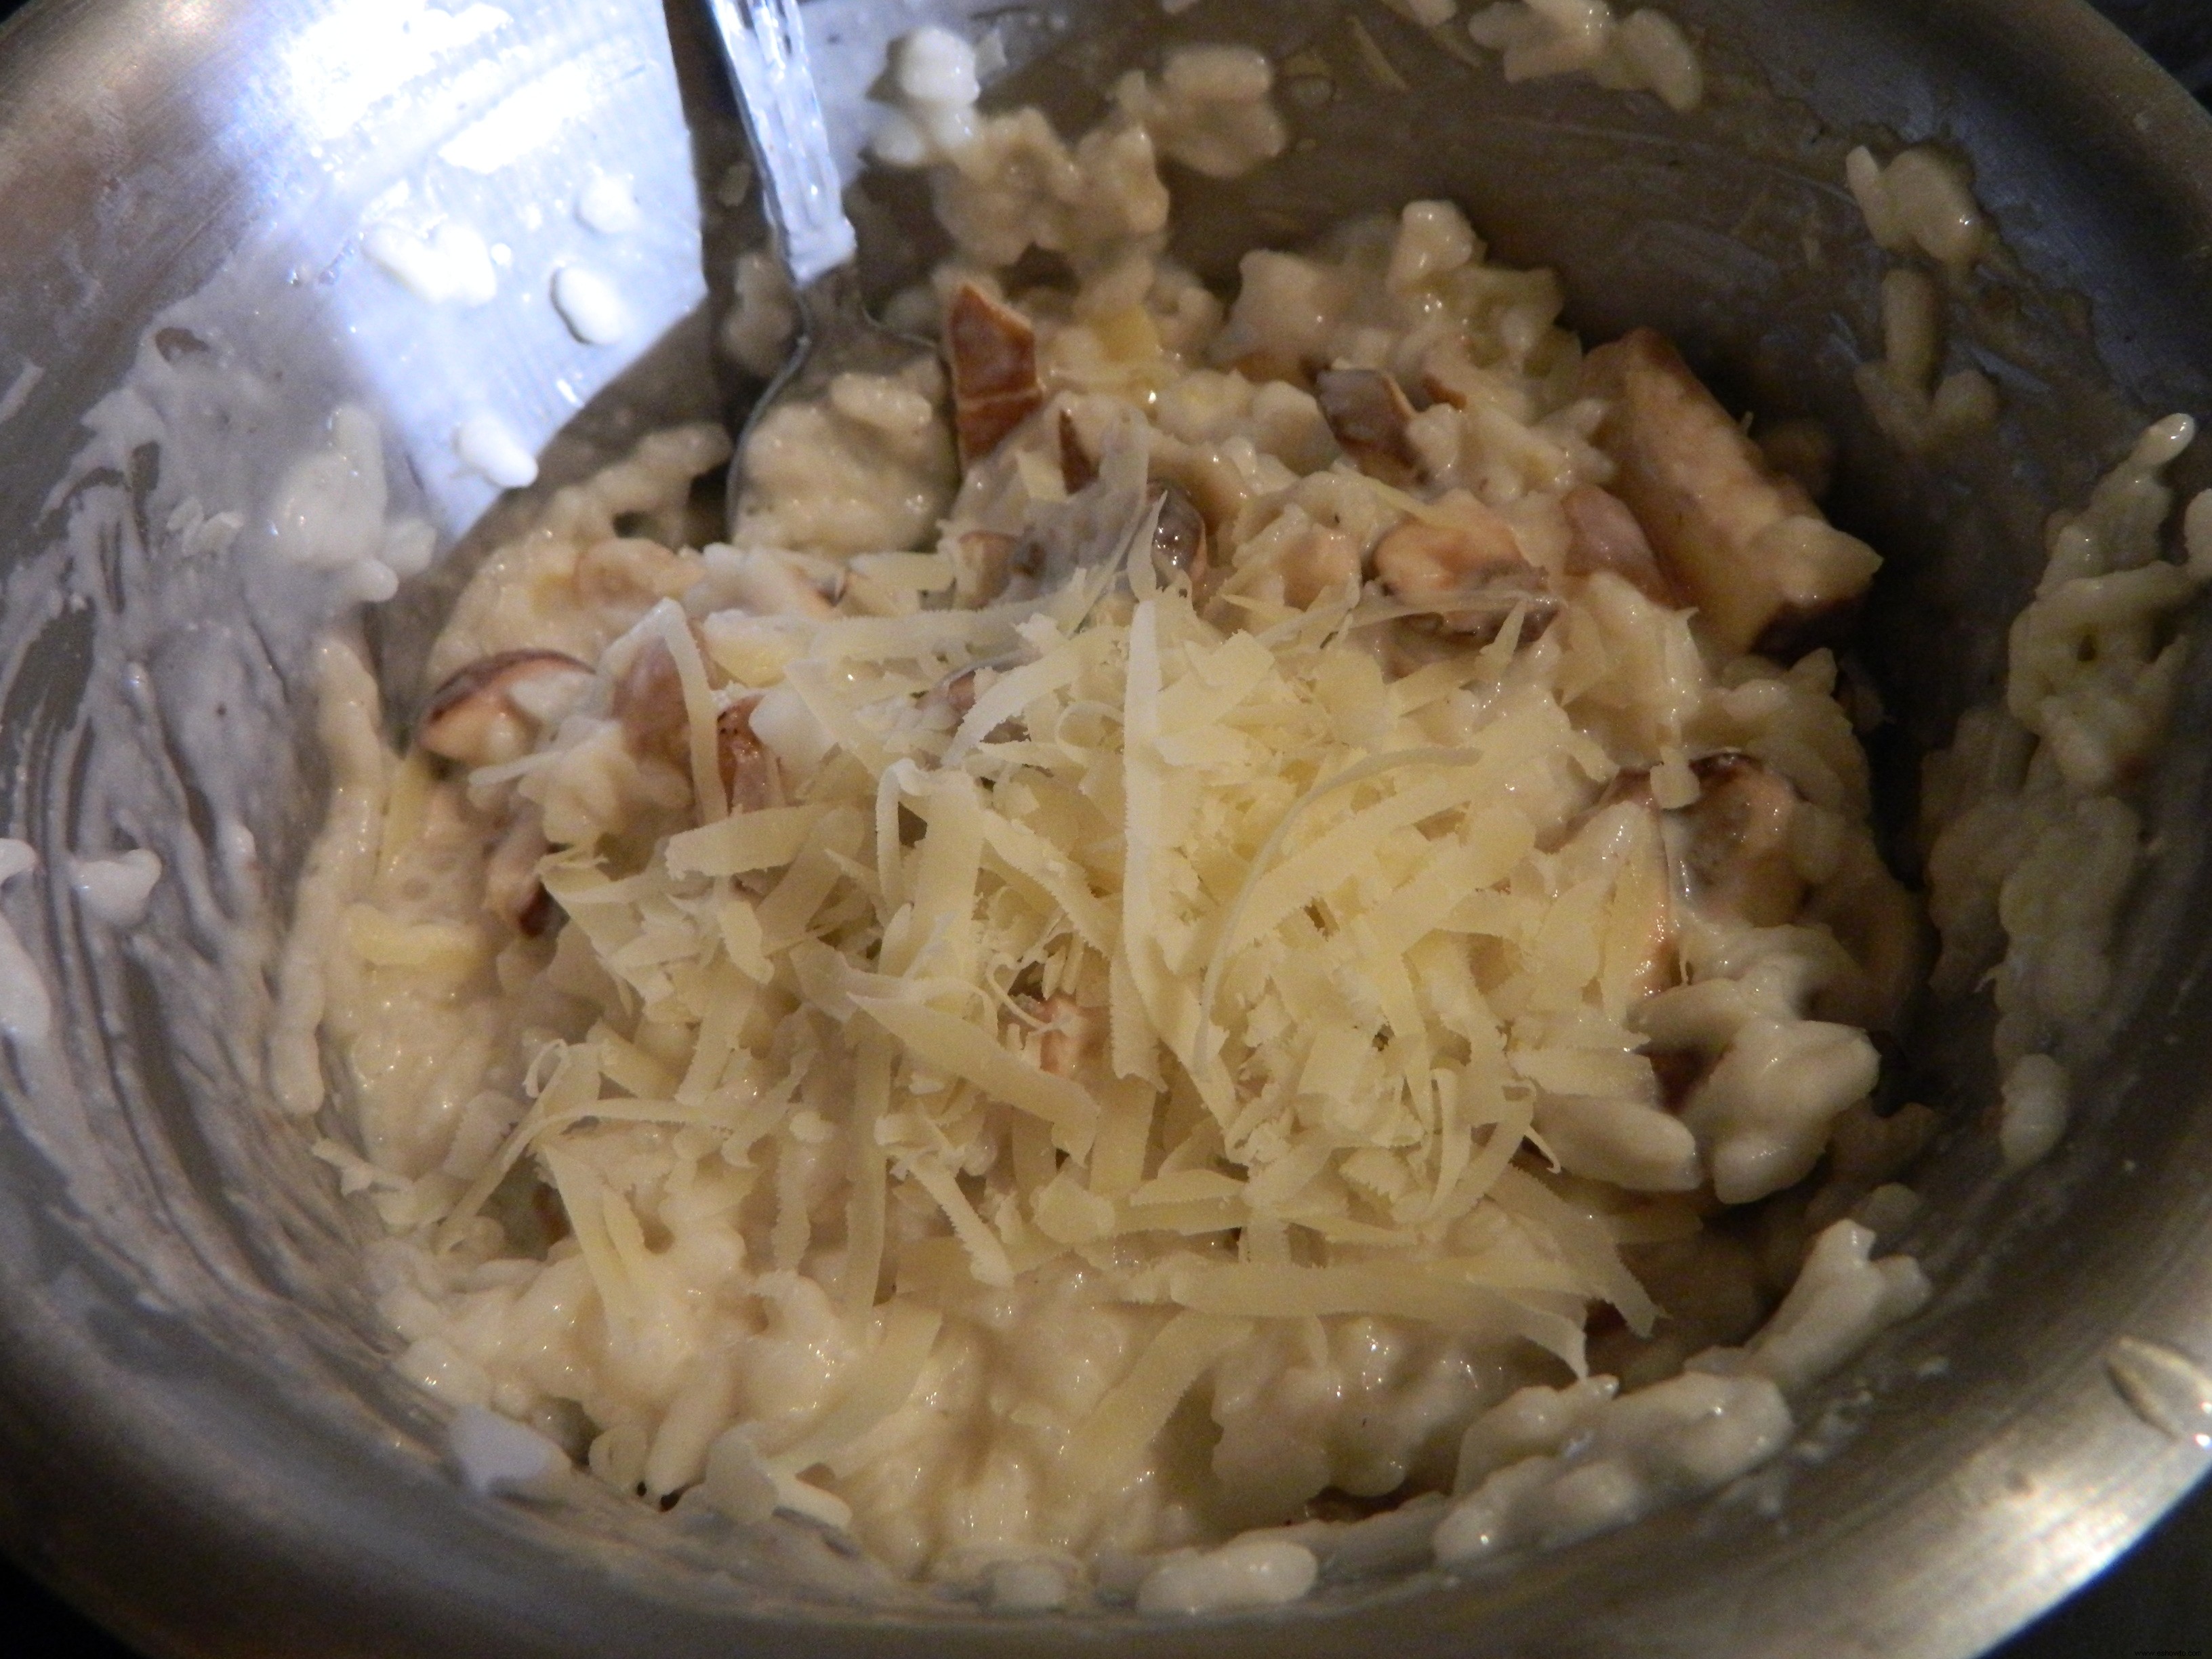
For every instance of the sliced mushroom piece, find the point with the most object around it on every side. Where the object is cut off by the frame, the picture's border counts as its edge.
(493, 710)
(1745, 543)
(749, 777)
(1179, 537)
(1469, 573)
(957, 692)
(769, 585)
(1643, 954)
(1736, 852)
(1602, 534)
(1321, 560)
(1368, 412)
(1077, 469)
(512, 890)
(1072, 1034)
(984, 562)
(992, 349)
(648, 704)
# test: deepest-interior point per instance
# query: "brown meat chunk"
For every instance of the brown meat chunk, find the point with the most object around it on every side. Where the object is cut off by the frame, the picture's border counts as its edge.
(1743, 542)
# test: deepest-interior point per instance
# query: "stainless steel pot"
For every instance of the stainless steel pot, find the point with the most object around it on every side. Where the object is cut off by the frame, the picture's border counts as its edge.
(201, 1440)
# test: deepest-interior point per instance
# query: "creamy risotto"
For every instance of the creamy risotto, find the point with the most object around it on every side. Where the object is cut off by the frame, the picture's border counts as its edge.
(1186, 963)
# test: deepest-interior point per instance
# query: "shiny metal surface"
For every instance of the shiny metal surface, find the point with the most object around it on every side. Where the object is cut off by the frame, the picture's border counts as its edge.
(802, 201)
(764, 43)
(202, 1442)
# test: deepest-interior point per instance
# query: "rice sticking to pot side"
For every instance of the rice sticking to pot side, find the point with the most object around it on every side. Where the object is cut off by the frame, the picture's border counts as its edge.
(1216, 922)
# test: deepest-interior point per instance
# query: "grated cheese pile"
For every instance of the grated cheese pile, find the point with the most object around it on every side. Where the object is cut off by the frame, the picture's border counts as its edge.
(1177, 1001)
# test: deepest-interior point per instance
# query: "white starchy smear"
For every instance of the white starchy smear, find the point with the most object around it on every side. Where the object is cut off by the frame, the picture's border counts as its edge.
(20, 390)
(26, 1010)
(609, 205)
(590, 304)
(327, 513)
(487, 444)
(450, 265)
(341, 67)
(117, 890)
(528, 119)
(499, 1455)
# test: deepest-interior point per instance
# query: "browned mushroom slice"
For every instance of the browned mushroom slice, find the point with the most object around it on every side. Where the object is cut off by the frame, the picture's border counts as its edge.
(1072, 1032)
(648, 702)
(983, 563)
(993, 352)
(1179, 538)
(1643, 952)
(1737, 852)
(1077, 469)
(1470, 572)
(1368, 413)
(512, 890)
(749, 769)
(1323, 560)
(957, 692)
(768, 584)
(493, 710)
(1602, 534)
(1744, 543)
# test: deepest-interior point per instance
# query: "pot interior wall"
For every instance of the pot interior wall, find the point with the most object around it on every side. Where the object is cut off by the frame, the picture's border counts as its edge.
(192, 1332)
